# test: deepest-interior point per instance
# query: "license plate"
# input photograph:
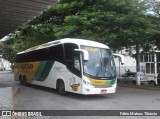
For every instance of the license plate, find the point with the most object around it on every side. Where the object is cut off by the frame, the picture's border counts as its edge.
(103, 91)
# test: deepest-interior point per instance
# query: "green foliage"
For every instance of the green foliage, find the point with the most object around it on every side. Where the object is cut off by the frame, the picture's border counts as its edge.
(109, 21)
(118, 23)
(7, 52)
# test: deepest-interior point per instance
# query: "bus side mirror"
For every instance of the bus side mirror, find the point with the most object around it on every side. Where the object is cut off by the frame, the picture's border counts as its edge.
(121, 58)
(85, 54)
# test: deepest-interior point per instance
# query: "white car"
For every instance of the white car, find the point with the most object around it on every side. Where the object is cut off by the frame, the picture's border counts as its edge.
(131, 77)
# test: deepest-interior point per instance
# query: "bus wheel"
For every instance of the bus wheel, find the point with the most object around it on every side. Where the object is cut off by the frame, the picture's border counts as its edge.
(24, 80)
(20, 80)
(133, 82)
(61, 88)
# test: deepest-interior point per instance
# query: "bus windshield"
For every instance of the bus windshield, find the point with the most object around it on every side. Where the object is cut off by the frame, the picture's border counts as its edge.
(100, 64)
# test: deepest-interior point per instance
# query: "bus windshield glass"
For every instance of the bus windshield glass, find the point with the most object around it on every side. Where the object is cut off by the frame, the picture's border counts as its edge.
(100, 64)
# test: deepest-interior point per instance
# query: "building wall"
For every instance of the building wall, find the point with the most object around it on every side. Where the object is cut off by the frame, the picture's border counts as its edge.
(130, 63)
(149, 62)
(4, 64)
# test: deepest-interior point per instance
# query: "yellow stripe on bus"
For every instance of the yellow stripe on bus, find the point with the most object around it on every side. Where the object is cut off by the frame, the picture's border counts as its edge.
(100, 82)
(28, 69)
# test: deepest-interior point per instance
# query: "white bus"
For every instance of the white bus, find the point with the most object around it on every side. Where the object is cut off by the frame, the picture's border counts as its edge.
(68, 65)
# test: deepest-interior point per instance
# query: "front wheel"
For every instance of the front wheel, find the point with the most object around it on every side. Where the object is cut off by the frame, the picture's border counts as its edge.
(133, 82)
(61, 88)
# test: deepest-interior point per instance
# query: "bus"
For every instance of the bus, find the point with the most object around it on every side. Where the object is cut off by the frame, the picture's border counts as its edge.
(68, 65)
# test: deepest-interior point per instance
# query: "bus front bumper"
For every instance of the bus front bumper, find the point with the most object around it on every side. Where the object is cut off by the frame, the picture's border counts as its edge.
(93, 90)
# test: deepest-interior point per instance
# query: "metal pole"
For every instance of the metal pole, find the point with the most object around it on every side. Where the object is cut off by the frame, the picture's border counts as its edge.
(119, 67)
(155, 67)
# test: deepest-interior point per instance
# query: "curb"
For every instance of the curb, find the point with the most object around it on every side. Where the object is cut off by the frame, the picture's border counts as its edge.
(140, 87)
(15, 91)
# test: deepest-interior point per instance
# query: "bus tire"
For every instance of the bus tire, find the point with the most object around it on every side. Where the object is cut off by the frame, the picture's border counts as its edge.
(24, 80)
(133, 82)
(61, 87)
(20, 80)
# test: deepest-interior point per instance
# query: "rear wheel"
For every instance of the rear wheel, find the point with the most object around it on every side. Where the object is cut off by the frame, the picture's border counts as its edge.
(24, 80)
(133, 82)
(61, 87)
(152, 83)
(20, 80)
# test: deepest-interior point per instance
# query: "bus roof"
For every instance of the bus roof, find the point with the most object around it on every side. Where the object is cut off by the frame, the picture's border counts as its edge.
(79, 42)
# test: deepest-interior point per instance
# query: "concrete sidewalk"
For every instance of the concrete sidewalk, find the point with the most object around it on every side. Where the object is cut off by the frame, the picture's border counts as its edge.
(6, 98)
(7, 95)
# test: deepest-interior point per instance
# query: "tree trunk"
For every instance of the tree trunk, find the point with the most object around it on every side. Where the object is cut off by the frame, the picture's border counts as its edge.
(137, 58)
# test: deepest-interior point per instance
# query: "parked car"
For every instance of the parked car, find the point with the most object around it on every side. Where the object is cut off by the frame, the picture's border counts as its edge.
(131, 77)
(153, 83)
(158, 78)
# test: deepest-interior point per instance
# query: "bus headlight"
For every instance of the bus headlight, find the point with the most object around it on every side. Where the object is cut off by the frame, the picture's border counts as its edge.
(88, 84)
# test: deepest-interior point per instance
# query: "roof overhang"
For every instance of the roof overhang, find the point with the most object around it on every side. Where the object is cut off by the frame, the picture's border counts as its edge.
(14, 13)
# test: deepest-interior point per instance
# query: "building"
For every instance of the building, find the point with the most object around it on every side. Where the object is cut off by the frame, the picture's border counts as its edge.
(149, 62)
(4, 64)
(130, 64)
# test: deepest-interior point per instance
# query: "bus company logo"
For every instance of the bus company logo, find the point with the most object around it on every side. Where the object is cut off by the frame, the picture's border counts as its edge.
(27, 66)
(98, 82)
(75, 86)
(6, 113)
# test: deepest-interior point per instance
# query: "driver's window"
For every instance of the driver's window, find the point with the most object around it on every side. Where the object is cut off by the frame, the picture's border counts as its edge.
(76, 62)
(72, 58)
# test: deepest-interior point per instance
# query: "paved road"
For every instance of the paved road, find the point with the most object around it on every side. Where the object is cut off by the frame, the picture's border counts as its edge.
(40, 98)
(7, 79)
(35, 97)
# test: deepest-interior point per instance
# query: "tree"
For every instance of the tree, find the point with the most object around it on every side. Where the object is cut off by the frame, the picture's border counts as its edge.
(153, 7)
(7, 52)
(118, 23)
